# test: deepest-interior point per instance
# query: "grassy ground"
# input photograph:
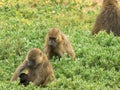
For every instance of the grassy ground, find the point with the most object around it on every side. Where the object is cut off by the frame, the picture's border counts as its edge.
(24, 24)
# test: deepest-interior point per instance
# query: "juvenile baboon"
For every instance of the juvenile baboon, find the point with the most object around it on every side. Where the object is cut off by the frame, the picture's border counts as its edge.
(24, 79)
(57, 44)
(40, 71)
(109, 18)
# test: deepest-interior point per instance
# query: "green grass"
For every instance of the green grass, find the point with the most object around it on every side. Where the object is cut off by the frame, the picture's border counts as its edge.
(22, 27)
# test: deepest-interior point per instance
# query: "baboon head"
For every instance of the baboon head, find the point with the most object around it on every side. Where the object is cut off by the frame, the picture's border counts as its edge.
(54, 37)
(35, 57)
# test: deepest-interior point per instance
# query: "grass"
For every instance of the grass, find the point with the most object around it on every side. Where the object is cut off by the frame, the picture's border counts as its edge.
(24, 25)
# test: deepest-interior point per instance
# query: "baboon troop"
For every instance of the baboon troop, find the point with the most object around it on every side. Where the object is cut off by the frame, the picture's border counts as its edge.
(40, 71)
(109, 18)
(57, 44)
(37, 63)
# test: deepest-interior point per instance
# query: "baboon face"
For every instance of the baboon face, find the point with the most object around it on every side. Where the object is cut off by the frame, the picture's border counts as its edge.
(53, 37)
(35, 57)
(52, 42)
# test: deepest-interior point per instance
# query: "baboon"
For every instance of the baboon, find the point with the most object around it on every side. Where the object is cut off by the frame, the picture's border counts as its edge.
(109, 18)
(40, 71)
(24, 79)
(57, 44)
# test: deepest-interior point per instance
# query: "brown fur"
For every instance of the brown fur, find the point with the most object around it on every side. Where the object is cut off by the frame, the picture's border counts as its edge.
(61, 45)
(109, 18)
(40, 71)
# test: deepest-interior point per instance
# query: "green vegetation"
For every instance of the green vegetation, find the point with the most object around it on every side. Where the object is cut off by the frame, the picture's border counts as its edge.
(24, 26)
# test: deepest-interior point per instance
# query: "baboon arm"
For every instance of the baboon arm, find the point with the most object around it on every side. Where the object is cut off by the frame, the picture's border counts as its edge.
(61, 53)
(70, 51)
(37, 81)
(19, 69)
(72, 54)
(48, 79)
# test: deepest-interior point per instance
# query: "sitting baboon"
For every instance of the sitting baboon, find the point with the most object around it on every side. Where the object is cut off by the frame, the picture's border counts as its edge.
(109, 18)
(57, 44)
(40, 71)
